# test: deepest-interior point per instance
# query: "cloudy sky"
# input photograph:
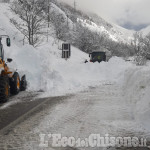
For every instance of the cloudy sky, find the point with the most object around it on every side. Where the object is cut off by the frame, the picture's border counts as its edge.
(132, 14)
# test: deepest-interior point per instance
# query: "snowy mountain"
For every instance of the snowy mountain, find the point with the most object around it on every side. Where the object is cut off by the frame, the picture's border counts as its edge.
(118, 33)
(114, 32)
(146, 30)
(97, 24)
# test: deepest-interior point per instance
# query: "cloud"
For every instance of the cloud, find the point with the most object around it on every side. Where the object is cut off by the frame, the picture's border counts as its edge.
(135, 12)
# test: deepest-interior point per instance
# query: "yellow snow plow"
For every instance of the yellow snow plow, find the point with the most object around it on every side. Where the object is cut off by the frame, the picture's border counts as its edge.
(10, 82)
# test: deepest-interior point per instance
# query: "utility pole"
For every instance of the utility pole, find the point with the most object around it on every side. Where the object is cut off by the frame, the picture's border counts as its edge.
(48, 12)
(48, 18)
(75, 17)
(75, 5)
(67, 20)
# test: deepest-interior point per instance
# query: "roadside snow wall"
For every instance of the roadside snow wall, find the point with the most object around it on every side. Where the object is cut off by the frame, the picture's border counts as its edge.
(137, 92)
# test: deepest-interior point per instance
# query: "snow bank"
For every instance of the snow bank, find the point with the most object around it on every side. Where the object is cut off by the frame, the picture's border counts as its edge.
(73, 75)
(47, 71)
(137, 92)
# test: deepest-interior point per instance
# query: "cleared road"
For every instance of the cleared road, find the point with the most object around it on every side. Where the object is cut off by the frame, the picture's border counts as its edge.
(100, 110)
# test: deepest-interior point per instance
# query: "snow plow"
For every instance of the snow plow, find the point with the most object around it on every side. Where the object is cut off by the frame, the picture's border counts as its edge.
(97, 56)
(10, 82)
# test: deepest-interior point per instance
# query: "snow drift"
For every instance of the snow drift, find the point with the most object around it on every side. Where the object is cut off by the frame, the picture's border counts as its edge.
(47, 71)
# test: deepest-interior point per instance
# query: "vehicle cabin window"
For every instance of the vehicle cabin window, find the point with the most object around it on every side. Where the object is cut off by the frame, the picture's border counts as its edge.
(98, 54)
(66, 46)
(1, 51)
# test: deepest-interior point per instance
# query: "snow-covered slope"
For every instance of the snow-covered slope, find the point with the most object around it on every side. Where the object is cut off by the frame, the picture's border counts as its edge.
(96, 23)
(146, 30)
(114, 32)
(120, 33)
(57, 11)
(123, 34)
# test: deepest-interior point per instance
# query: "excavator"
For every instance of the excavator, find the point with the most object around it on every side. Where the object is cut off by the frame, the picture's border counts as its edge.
(10, 82)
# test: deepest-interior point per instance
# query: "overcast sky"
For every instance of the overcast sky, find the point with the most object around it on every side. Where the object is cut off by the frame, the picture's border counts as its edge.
(127, 13)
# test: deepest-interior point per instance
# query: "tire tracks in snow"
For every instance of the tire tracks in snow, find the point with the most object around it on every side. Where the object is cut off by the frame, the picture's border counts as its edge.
(15, 113)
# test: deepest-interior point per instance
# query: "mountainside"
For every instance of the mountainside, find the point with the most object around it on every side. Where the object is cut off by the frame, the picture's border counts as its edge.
(96, 23)
(146, 30)
(114, 32)
(119, 33)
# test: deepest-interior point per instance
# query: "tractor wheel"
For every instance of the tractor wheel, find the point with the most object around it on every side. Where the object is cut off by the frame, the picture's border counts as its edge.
(15, 84)
(4, 89)
(23, 83)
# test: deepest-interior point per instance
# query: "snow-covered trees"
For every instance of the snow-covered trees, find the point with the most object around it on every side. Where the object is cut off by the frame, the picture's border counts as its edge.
(87, 40)
(137, 42)
(141, 45)
(30, 11)
(61, 28)
(147, 45)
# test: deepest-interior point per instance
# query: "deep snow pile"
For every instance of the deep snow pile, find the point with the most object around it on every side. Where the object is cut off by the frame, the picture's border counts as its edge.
(47, 71)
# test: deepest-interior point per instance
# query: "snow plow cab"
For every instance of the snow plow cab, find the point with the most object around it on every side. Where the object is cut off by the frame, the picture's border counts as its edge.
(10, 82)
(97, 56)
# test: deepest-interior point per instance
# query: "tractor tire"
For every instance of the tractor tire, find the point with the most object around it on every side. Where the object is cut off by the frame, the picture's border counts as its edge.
(4, 89)
(23, 83)
(15, 84)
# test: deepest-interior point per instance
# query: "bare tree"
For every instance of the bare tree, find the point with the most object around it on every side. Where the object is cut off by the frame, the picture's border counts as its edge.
(146, 47)
(140, 44)
(137, 42)
(31, 13)
(61, 26)
(87, 40)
